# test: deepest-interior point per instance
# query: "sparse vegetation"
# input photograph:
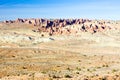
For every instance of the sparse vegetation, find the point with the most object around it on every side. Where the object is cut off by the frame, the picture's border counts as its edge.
(68, 69)
(98, 67)
(67, 76)
(88, 69)
(79, 60)
(42, 35)
(85, 55)
(105, 65)
(32, 54)
(114, 70)
(24, 67)
(44, 72)
(54, 76)
(79, 69)
(77, 73)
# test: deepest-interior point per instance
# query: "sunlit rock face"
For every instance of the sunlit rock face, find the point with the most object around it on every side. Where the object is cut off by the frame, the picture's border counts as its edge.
(65, 26)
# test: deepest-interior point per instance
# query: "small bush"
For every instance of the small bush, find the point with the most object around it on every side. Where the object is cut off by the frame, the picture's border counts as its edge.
(24, 67)
(43, 72)
(114, 70)
(68, 76)
(54, 76)
(42, 35)
(68, 69)
(79, 69)
(98, 67)
(88, 69)
(77, 73)
(79, 60)
(105, 65)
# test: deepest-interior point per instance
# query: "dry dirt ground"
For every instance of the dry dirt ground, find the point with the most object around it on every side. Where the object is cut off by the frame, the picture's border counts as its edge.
(25, 55)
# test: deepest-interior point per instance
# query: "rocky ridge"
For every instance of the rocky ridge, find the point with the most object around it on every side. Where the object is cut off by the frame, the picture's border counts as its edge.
(65, 26)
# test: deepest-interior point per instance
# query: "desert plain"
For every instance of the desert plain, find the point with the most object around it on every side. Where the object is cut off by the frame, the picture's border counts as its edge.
(41, 49)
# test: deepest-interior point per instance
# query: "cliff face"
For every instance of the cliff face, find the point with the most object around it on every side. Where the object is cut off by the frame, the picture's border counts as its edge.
(65, 26)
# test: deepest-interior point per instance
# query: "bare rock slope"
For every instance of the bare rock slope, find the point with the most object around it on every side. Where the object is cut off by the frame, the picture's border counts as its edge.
(62, 26)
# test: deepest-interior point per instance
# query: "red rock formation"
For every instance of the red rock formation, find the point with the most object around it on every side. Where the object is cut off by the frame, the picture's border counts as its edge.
(58, 26)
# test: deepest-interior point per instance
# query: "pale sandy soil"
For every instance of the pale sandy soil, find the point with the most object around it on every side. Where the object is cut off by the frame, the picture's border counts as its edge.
(25, 55)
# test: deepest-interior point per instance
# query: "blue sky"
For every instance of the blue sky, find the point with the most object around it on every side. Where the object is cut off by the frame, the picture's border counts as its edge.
(92, 9)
